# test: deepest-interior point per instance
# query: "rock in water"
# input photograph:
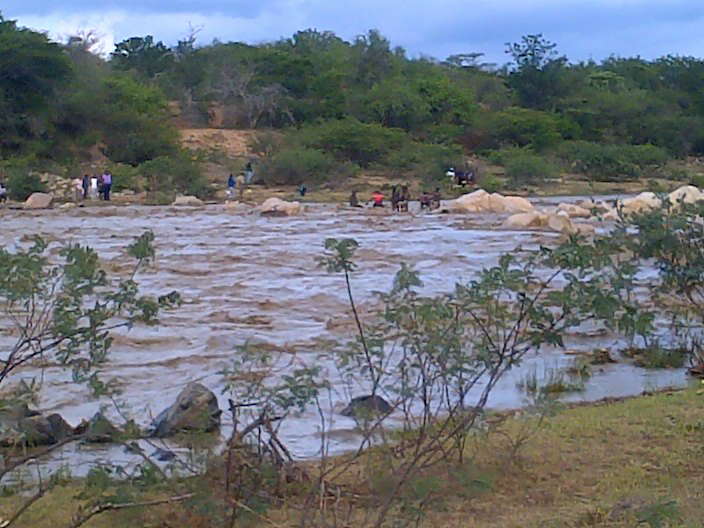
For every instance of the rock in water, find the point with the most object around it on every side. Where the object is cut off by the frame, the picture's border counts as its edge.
(98, 430)
(688, 194)
(195, 409)
(190, 201)
(23, 427)
(364, 406)
(279, 207)
(38, 201)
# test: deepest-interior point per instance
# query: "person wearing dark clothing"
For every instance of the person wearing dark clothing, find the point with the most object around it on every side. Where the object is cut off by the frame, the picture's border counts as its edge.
(3, 193)
(395, 198)
(86, 186)
(302, 189)
(231, 186)
(354, 201)
(425, 201)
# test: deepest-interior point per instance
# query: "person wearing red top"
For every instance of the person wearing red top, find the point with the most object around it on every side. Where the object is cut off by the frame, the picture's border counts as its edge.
(378, 199)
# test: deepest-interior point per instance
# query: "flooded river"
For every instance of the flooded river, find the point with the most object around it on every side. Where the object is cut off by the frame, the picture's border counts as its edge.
(248, 278)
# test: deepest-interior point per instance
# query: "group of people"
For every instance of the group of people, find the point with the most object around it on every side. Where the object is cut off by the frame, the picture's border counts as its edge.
(93, 187)
(239, 184)
(400, 196)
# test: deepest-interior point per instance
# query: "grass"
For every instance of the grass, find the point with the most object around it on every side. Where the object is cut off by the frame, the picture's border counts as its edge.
(617, 463)
(554, 381)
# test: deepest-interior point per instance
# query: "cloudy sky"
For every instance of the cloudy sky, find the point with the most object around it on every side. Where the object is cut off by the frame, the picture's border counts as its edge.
(582, 29)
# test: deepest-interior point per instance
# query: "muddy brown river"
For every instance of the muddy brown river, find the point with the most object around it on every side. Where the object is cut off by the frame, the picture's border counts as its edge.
(245, 278)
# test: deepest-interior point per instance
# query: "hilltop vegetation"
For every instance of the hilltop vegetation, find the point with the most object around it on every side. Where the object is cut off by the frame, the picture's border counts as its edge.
(344, 107)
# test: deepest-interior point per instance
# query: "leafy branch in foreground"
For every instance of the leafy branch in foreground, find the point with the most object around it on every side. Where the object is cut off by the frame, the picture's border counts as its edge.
(66, 308)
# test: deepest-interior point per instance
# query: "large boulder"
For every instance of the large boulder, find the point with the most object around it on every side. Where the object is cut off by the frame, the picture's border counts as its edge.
(644, 202)
(278, 207)
(188, 201)
(39, 201)
(559, 222)
(574, 211)
(195, 410)
(366, 406)
(481, 201)
(525, 221)
(688, 194)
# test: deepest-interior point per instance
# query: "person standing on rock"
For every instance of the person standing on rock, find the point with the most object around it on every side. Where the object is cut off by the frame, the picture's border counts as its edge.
(107, 185)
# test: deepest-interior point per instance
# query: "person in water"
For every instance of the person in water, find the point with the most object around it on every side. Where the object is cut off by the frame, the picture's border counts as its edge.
(404, 197)
(395, 198)
(377, 199)
(354, 201)
(3, 193)
(241, 182)
(425, 201)
(435, 199)
(302, 189)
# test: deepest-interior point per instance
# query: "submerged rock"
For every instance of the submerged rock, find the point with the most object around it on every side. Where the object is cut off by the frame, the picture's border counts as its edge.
(39, 201)
(195, 410)
(362, 406)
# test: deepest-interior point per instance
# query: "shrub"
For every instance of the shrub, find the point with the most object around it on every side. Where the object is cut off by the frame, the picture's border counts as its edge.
(697, 180)
(521, 127)
(126, 177)
(528, 169)
(296, 165)
(612, 162)
(423, 160)
(174, 174)
(490, 183)
(351, 140)
(22, 183)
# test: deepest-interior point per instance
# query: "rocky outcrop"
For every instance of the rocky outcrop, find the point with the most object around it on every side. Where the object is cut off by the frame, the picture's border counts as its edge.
(195, 410)
(188, 201)
(482, 202)
(366, 406)
(278, 207)
(39, 201)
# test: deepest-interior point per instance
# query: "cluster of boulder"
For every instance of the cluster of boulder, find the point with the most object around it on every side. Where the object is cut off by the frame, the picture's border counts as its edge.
(523, 213)
(562, 218)
(195, 409)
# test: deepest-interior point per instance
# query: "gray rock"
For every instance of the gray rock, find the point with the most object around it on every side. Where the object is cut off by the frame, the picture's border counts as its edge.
(35, 430)
(163, 455)
(195, 410)
(364, 406)
(98, 430)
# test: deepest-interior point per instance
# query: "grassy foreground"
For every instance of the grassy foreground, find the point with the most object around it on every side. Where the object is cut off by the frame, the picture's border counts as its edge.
(633, 462)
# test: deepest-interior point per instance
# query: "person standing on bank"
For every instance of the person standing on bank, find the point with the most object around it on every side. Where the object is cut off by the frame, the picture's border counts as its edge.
(85, 183)
(248, 173)
(107, 185)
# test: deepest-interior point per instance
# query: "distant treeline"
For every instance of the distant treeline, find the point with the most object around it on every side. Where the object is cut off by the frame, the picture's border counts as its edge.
(350, 105)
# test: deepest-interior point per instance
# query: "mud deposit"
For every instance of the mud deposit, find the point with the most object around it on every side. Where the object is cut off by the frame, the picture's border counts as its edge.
(247, 278)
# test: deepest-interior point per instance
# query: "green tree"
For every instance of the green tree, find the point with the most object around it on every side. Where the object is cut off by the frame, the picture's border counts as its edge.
(143, 55)
(33, 70)
(538, 71)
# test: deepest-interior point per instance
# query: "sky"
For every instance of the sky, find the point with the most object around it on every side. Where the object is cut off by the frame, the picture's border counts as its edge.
(587, 29)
